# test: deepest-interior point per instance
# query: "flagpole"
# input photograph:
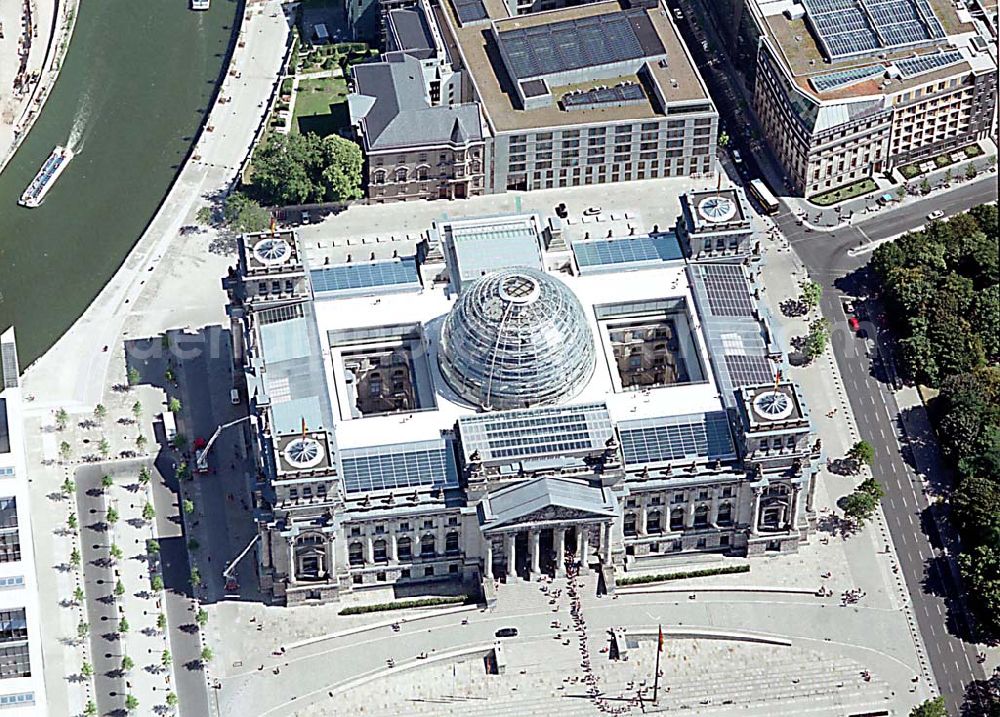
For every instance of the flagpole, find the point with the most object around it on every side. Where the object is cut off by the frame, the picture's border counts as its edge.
(659, 649)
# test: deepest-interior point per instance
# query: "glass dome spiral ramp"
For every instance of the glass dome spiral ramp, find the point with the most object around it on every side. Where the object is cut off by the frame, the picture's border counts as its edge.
(516, 338)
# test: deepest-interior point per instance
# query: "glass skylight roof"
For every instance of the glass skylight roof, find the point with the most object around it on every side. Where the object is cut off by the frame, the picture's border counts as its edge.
(654, 440)
(405, 465)
(726, 286)
(597, 255)
(845, 78)
(366, 277)
(927, 63)
(853, 27)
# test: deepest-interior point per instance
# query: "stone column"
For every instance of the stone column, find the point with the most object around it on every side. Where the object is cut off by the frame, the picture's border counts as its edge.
(642, 520)
(689, 515)
(755, 518)
(393, 549)
(488, 560)
(535, 550)
(583, 546)
(511, 555)
(291, 559)
(606, 540)
(369, 550)
(793, 518)
(331, 565)
(713, 512)
(560, 539)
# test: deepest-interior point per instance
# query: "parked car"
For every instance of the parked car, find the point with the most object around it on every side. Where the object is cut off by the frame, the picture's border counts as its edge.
(935, 215)
(854, 323)
(507, 632)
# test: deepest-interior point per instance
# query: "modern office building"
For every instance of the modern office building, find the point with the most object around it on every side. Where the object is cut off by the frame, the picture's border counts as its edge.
(506, 395)
(513, 99)
(847, 89)
(22, 688)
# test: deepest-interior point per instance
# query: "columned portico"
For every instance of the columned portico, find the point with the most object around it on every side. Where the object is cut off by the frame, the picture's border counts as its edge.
(511, 556)
(560, 536)
(534, 536)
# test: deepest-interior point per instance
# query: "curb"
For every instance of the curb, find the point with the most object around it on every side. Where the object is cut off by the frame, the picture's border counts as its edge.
(710, 634)
(639, 590)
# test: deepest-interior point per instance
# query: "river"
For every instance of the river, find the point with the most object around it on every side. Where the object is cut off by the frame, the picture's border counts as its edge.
(132, 93)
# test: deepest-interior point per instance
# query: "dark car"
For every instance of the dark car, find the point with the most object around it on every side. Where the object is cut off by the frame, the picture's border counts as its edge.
(507, 632)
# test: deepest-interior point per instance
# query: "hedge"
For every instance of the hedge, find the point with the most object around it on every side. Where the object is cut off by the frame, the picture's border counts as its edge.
(403, 604)
(704, 573)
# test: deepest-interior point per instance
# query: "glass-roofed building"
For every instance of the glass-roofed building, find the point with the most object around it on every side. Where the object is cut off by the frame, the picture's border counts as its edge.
(493, 401)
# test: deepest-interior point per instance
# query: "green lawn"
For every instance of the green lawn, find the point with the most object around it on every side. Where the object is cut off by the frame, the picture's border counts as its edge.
(848, 191)
(321, 106)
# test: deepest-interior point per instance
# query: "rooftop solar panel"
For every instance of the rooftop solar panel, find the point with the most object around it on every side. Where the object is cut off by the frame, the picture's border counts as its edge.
(391, 467)
(615, 254)
(535, 432)
(851, 27)
(727, 290)
(845, 78)
(749, 370)
(366, 277)
(927, 63)
(654, 440)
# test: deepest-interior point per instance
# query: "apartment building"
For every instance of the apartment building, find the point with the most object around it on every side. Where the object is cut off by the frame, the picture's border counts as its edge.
(22, 688)
(603, 92)
(845, 91)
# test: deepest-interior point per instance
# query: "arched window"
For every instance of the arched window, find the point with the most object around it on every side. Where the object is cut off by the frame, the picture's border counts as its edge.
(356, 554)
(381, 554)
(422, 172)
(725, 514)
(451, 543)
(401, 174)
(378, 177)
(404, 548)
(677, 519)
(427, 548)
(628, 525)
(654, 522)
(701, 516)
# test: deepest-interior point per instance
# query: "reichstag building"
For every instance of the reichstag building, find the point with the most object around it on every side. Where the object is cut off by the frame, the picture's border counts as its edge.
(505, 396)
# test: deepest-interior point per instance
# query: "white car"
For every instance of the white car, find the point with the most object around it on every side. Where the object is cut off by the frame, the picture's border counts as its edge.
(935, 215)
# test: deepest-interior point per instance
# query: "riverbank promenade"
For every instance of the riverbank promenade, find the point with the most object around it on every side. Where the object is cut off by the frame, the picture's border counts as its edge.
(152, 290)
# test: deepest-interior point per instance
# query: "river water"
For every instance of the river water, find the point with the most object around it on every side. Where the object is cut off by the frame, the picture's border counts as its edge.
(132, 93)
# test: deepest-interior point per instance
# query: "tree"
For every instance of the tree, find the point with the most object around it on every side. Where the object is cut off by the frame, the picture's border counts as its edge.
(86, 669)
(171, 699)
(104, 447)
(930, 708)
(948, 176)
(859, 506)
(100, 412)
(903, 190)
(133, 375)
(71, 521)
(242, 214)
(723, 140)
(161, 621)
(179, 442)
(78, 595)
(169, 375)
(811, 293)
(166, 659)
(925, 186)
(107, 481)
(193, 544)
(112, 515)
(174, 405)
(816, 339)
(970, 171)
(62, 419)
(65, 450)
(74, 557)
(148, 512)
(119, 589)
(305, 168)
(140, 442)
(137, 410)
(157, 583)
(187, 506)
(144, 476)
(131, 703)
(127, 663)
(205, 215)
(342, 175)
(123, 626)
(82, 629)
(195, 575)
(90, 709)
(201, 617)
(116, 552)
(153, 546)
(980, 568)
(862, 452)
(68, 486)
(207, 654)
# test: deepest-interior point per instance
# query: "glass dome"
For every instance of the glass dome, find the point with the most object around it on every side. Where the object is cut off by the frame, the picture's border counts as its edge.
(516, 338)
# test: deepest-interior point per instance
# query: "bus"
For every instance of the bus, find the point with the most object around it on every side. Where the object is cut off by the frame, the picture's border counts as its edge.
(763, 196)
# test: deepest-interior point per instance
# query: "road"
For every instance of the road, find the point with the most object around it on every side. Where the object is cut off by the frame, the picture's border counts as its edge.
(934, 589)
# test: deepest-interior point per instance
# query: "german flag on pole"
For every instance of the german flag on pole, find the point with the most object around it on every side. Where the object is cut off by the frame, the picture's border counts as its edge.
(659, 642)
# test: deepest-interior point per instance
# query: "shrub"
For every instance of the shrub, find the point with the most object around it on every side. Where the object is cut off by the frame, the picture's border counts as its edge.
(704, 573)
(973, 150)
(909, 171)
(403, 604)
